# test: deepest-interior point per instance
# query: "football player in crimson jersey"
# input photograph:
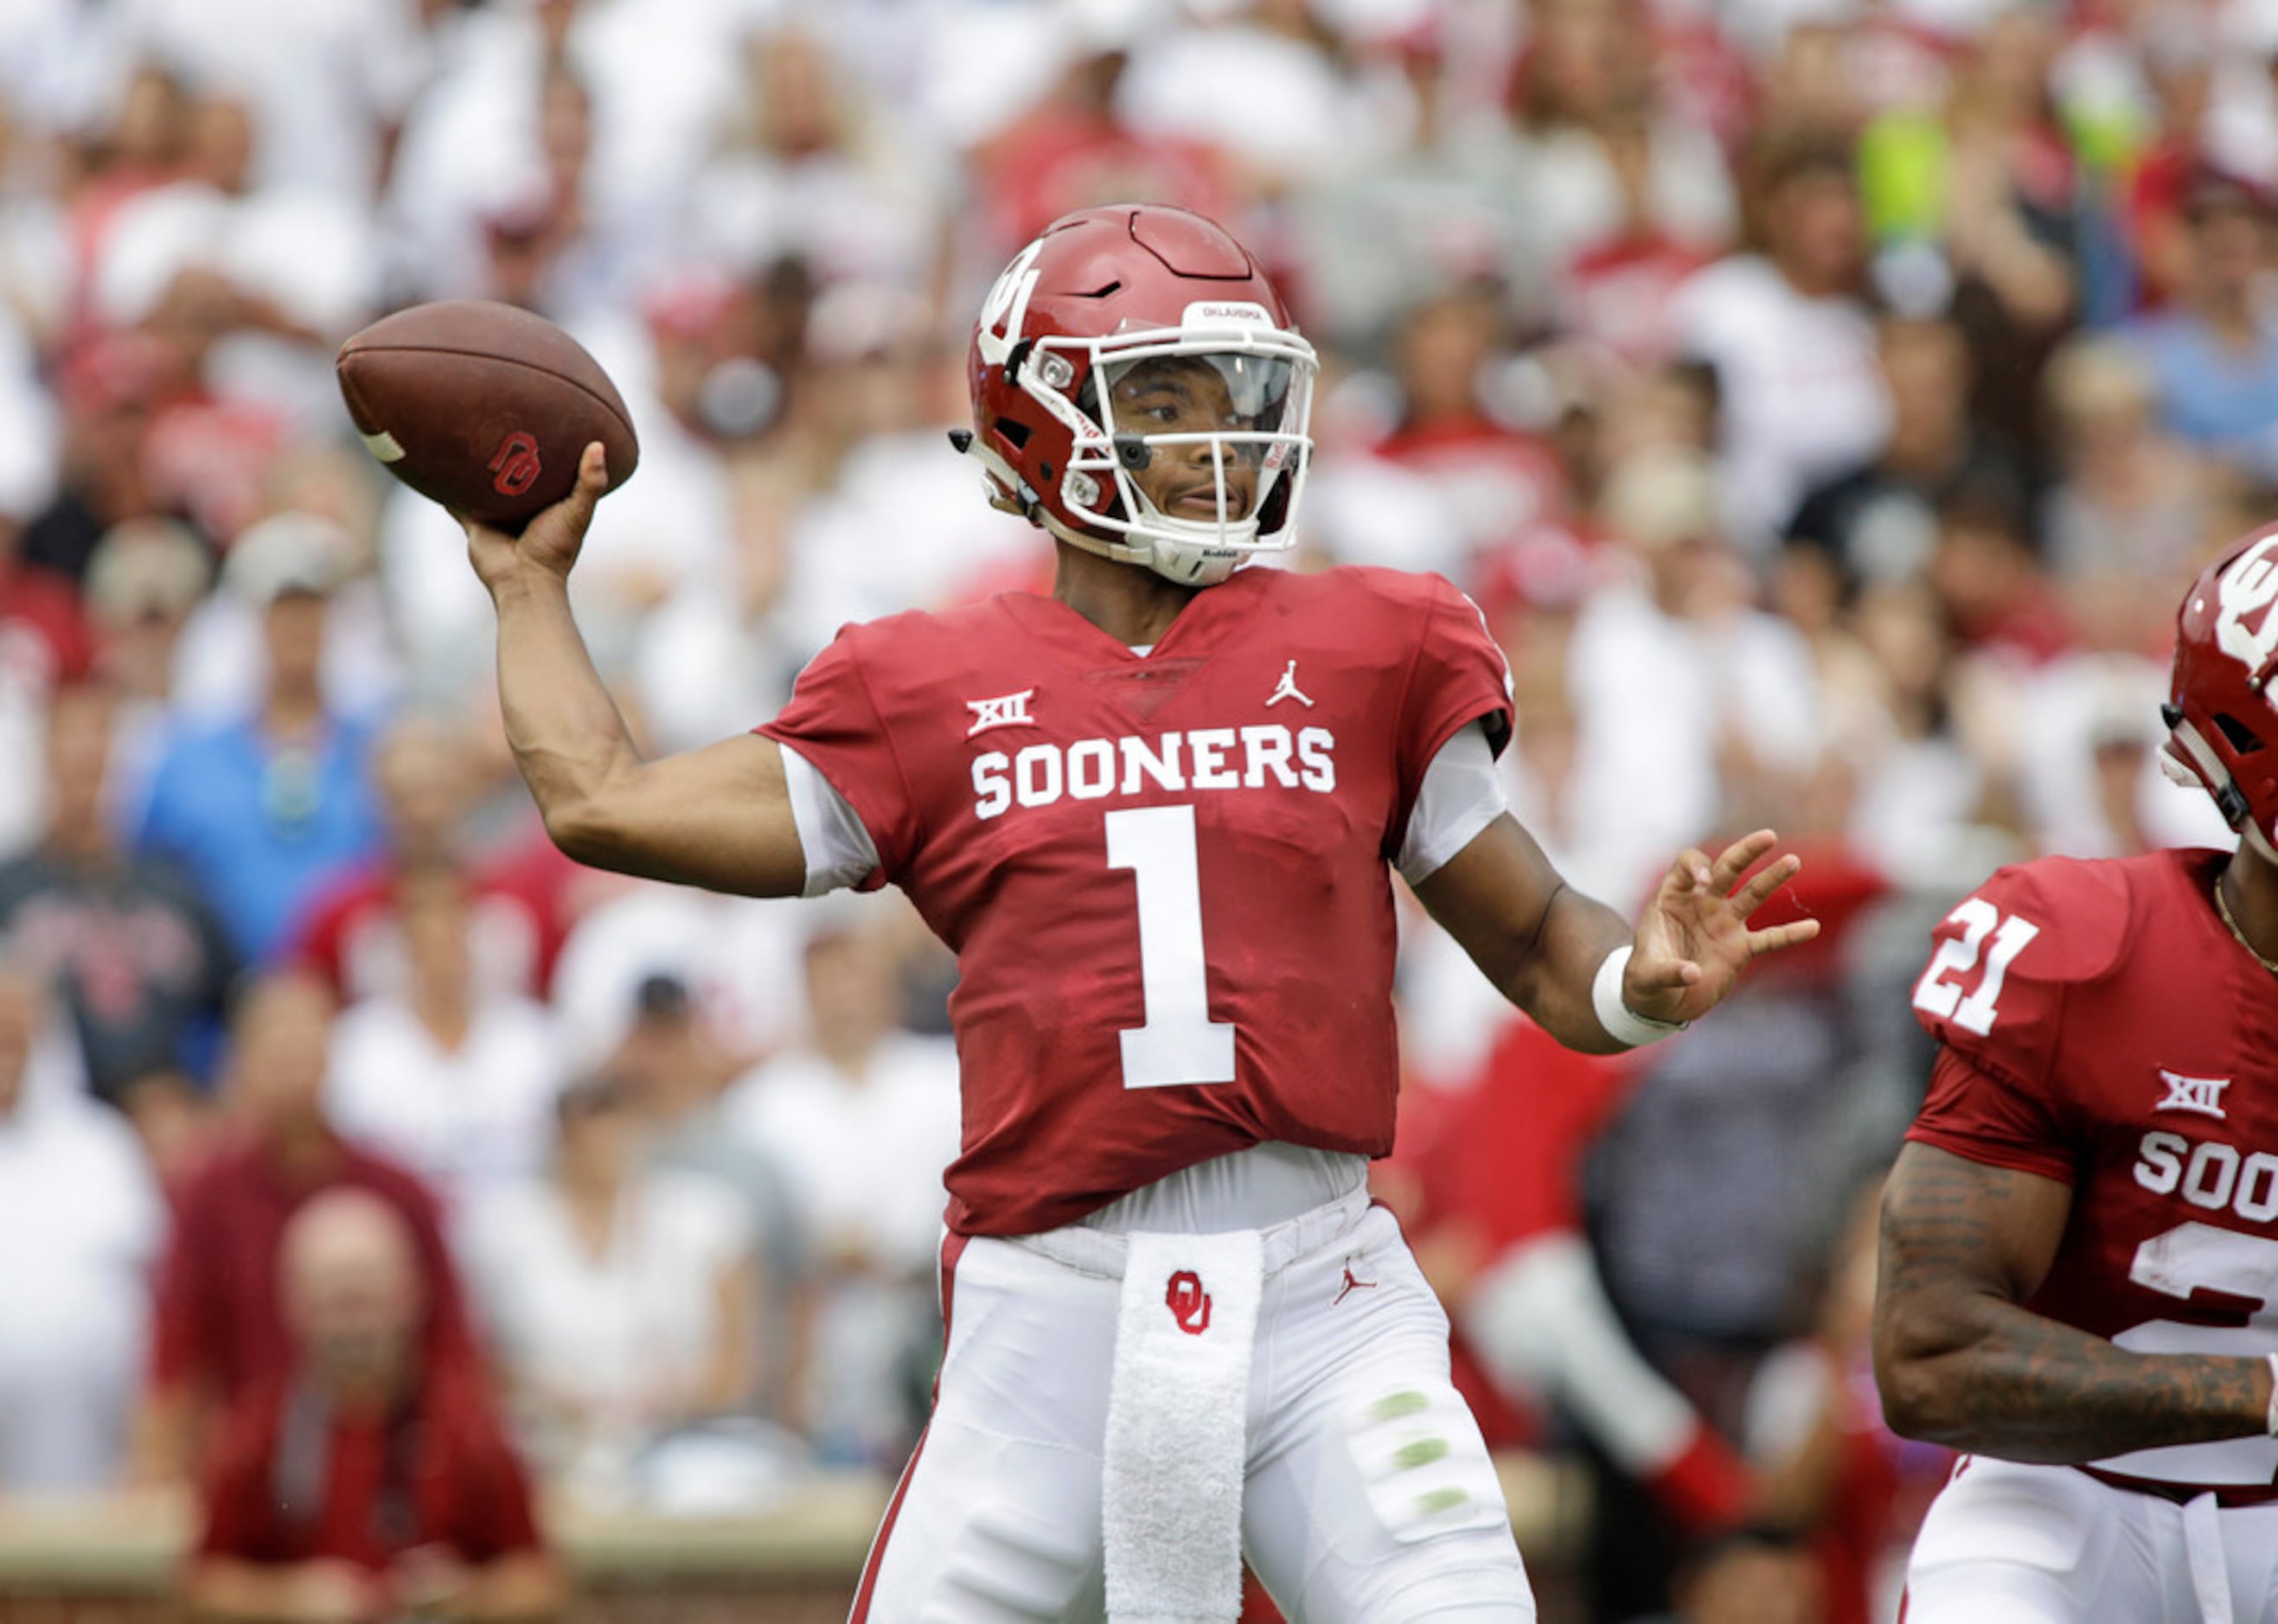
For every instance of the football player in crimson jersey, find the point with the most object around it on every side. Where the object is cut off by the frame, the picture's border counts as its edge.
(1153, 814)
(2079, 1273)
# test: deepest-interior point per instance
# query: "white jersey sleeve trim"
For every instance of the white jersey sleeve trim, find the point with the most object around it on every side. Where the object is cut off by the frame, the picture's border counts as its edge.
(1460, 795)
(839, 851)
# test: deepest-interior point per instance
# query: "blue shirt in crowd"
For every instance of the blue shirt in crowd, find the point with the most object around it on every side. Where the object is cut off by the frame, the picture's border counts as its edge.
(2219, 398)
(259, 824)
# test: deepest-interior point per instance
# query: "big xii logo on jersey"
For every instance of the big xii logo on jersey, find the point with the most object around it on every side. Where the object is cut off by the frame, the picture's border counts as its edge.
(1268, 756)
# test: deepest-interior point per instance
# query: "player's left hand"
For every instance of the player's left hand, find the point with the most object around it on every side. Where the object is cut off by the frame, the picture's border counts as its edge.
(1694, 940)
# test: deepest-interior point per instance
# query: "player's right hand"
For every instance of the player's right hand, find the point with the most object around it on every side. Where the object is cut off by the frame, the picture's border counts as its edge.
(551, 541)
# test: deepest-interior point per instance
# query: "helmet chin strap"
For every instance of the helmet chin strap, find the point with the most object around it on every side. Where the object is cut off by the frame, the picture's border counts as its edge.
(2202, 766)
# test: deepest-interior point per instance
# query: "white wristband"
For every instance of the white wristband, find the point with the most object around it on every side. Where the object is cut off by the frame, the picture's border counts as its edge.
(1622, 1024)
(2272, 1417)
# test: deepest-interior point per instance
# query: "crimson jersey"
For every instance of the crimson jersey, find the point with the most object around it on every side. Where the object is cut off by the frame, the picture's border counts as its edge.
(2101, 1027)
(1164, 877)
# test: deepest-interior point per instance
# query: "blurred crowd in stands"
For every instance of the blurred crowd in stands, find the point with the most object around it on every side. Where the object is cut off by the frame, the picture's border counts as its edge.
(1824, 401)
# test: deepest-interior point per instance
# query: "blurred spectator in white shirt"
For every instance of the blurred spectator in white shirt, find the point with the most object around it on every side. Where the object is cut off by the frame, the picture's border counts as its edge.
(1792, 343)
(1587, 109)
(686, 365)
(1265, 85)
(455, 1082)
(887, 523)
(675, 1075)
(293, 268)
(863, 1119)
(330, 82)
(31, 427)
(1451, 201)
(1679, 681)
(1496, 480)
(1920, 793)
(2128, 498)
(621, 1296)
(816, 173)
(80, 1221)
(737, 956)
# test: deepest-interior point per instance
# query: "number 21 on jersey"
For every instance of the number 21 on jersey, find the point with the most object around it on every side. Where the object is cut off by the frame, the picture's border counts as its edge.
(1178, 1042)
(1957, 956)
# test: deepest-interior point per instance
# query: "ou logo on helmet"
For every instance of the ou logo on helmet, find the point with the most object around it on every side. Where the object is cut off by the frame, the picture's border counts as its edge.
(514, 466)
(1007, 308)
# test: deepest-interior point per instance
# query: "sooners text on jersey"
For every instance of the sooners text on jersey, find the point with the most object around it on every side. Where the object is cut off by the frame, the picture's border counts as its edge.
(2102, 1028)
(1164, 877)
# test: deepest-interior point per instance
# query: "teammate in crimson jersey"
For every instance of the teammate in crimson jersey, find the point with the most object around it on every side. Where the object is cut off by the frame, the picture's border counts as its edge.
(1153, 815)
(2080, 1239)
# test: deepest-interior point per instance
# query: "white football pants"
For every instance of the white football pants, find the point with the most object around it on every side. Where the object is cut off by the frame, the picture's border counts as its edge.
(2008, 1543)
(997, 1517)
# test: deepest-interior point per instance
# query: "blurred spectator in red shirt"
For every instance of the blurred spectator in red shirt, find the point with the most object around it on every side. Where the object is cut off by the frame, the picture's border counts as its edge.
(220, 1332)
(2178, 67)
(1498, 481)
(352, 934)
(1989, 579)
(369, 1479)
(1071, 150)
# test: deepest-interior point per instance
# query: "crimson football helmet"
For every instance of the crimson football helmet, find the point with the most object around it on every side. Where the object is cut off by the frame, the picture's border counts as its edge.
(2222, 720)
(1105, 301)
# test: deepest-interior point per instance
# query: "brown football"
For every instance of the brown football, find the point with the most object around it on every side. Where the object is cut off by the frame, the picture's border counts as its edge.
(483, 407)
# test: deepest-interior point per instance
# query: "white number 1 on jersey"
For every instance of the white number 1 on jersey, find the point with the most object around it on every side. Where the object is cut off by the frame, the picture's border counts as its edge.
(1179, 1043)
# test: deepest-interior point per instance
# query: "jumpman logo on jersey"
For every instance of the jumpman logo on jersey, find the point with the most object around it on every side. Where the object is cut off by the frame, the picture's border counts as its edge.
(1352, 1283)
(1005, 710)
(1286, 688)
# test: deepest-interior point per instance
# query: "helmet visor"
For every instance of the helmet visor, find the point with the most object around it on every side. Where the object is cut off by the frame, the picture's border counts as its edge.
(1203, 436)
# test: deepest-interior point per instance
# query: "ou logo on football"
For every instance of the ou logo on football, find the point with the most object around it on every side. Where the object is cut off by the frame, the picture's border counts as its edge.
(514, 466)
(1007, 308)
(1189, 1304)
(2248, 588)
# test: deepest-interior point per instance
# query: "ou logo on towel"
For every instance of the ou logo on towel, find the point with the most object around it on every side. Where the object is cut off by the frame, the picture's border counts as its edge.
(1189, 1303)
(513, 467)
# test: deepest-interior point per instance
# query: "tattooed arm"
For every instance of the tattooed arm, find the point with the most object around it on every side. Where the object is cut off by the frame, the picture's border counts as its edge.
(1961, 1364)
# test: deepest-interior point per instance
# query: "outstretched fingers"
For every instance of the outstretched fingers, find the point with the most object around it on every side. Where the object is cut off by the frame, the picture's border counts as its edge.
(1690, 872)
(1778, 936)
(1758, 891)
(1735, 860)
